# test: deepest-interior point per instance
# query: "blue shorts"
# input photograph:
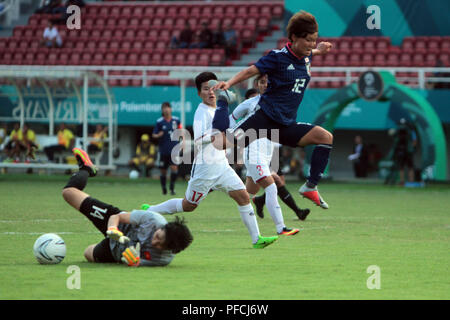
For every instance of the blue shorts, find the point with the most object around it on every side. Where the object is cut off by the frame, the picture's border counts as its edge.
(288, 135)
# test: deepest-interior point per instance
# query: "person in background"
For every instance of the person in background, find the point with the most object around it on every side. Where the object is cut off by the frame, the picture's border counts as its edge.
(51, 37)
(145, 154)
(99, 136)
(230, 37)
(185, 38)
(359, 158)
(163, 130)
(66, 140)
(28, 141)
(405, 145)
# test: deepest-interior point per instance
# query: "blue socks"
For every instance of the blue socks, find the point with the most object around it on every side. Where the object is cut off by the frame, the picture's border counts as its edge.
(221, 120)
(319, 161)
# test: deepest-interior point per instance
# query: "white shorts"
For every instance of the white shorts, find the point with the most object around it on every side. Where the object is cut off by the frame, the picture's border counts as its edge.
(258, 171)
(199, 188)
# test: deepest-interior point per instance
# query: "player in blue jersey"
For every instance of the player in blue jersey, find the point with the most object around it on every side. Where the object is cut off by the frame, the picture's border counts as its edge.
(163, 132)
(289, 72)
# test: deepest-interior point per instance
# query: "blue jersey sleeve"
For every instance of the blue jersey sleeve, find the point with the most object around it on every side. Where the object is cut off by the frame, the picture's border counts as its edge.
(267, 63)
(157, 128)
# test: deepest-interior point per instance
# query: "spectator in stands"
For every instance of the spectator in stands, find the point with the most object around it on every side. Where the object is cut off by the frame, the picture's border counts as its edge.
(51, 37)
(28, 141)
(66, 141)
(99, 136)
(205, 38)
(145, 154)
(185, 39)
(230, 36)
(218, 37)
(359, 158)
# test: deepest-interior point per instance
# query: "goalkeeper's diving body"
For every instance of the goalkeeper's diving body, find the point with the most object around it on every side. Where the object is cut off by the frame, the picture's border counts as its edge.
(136, 238)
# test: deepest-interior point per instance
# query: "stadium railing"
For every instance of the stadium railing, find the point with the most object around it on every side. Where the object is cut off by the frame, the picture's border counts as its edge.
(146, 75)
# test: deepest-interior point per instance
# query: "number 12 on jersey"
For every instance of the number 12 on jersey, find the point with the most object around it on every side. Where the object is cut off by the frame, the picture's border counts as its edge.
(299, 83)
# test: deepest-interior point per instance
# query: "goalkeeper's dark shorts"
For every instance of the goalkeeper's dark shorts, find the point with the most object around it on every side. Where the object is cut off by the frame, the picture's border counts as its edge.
(98, 213)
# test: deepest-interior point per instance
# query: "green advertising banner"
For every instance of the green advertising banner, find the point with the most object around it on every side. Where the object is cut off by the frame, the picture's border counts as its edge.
(142, 106)
(137, 106)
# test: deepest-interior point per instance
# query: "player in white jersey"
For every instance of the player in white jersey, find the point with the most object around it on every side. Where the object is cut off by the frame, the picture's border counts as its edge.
(211, 170)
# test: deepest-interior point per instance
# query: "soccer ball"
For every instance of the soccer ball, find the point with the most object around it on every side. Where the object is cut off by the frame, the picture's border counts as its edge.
(49, 249)
(134, 174)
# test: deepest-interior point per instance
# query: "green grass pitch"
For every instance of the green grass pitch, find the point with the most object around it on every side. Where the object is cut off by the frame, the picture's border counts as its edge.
(403, 232)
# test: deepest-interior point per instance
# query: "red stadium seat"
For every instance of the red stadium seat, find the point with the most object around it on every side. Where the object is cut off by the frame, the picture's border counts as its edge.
(369, 44)
(28, 58)
(121, 58)
(380, 60)
(405, 60)
(266, 10)
(17, 58)
(277, 11)
(445, 45)
(418, 60)
(133, 58)
(382, 45)
(444, 58)
(167, 59)
(263, 24)
(91, 46)
(355, 60)
(430, 60)
(408, 45)
(217, 58)
(433, 45)
(229, 10)
(75, 58)
(357, 46)
(144, 59)
(328, 60)
(420, 46)
(109, 58)
(157, 58)
(344, 46)
(341, 60)
(86, 58)
(242, 10)
(97, 58)
(392, 60)
(367, 60)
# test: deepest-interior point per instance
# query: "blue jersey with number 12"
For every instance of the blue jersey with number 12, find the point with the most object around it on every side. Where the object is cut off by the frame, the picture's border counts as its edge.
(288, 77)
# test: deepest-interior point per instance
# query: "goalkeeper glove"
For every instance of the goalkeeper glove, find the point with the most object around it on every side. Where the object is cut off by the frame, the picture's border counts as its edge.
(117, 235)
(131, 255)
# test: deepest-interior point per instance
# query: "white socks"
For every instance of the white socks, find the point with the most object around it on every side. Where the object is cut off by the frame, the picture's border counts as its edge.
(169, 207)
(249, 219)
(274, 207)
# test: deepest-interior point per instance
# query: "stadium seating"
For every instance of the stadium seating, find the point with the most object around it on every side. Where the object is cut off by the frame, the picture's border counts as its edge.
(140, 33)
(137, 30)
(378, 51)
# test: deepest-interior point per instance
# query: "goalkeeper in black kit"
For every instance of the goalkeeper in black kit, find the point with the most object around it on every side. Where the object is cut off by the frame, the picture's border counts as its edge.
(136, 238)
